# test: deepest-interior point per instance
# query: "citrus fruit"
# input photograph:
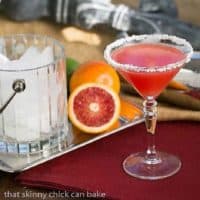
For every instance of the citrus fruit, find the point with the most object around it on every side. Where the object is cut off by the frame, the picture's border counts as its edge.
(95, 72)
(72, 65)
(177, 85)
(93, 108)
(128, 110)
(114, 126)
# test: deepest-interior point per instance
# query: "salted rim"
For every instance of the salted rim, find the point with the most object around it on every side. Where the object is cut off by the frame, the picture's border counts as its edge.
(155, 38)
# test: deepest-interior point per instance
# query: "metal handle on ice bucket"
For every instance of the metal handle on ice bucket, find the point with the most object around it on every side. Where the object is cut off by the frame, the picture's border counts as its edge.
(18, 86)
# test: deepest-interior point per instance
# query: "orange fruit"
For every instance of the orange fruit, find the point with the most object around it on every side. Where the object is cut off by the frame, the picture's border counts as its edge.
(128, 110)
(95, 72)
(177, 85)
(114, 126)
(93, 108)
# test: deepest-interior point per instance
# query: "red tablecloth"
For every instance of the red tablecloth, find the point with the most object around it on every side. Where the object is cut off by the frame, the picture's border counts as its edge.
(98, 166)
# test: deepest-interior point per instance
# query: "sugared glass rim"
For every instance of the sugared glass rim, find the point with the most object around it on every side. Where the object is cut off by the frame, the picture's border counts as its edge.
(151, 38)
(34, 36)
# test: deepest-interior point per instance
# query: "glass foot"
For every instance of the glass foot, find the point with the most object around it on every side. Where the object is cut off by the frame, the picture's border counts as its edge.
(138, 166)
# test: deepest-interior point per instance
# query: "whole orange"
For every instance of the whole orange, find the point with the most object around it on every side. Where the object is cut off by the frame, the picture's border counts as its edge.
(95, 72)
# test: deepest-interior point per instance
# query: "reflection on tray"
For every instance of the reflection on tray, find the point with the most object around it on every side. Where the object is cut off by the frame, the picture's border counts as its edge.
(77, 137)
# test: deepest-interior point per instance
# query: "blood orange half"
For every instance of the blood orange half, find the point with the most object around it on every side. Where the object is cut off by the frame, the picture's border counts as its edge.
(93, 108)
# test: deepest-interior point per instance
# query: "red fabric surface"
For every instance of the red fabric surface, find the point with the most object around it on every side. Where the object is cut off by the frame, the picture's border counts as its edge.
(98, 166)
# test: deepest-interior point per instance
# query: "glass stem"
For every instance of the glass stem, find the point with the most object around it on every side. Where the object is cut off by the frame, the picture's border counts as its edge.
(150, 114)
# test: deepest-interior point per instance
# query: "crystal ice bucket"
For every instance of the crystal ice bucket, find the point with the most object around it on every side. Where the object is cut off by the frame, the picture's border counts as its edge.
(32, 94)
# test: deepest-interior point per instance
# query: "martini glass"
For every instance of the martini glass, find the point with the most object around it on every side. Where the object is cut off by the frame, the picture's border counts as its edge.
(148, 63)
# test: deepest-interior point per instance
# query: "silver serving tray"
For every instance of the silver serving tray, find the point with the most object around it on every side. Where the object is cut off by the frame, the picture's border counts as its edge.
(75, 140)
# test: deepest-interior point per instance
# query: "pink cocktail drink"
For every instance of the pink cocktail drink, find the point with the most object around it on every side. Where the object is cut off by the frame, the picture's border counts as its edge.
(148, 56)
(148, 63)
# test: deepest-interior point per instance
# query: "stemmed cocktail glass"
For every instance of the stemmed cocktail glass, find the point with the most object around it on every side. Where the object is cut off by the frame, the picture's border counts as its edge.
(148, 63)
